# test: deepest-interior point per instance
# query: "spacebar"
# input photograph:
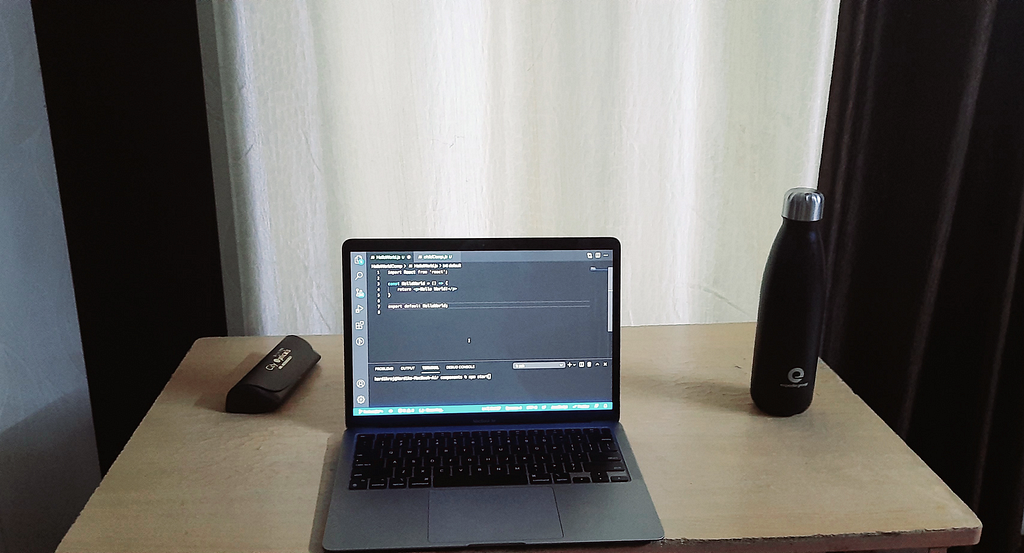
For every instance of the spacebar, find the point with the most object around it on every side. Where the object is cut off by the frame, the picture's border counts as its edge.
(481, 480)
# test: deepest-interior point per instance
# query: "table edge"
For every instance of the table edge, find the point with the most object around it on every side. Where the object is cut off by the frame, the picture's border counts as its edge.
(919, 539)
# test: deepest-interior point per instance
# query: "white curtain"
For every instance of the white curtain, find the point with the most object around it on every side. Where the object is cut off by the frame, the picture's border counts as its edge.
(674, 126)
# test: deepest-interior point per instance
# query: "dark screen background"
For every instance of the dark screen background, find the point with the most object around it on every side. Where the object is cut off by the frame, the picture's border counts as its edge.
(478, 326)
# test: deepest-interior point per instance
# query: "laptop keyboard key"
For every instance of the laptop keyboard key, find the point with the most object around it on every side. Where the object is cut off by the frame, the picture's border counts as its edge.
(605, 457)
(479, 480)
(397, 483)
(540, 478)
(604, 467)
(599, 476)
(620, 478)
(561, 478)
(378, 483)
(580, 479)
(358, 483)
(419, 482)
(364, 442)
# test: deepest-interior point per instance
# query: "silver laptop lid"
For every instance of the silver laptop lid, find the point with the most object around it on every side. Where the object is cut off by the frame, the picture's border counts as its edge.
(461, 331)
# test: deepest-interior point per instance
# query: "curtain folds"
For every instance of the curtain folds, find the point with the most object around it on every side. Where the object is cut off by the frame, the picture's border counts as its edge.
(675, 126)
(923, 173)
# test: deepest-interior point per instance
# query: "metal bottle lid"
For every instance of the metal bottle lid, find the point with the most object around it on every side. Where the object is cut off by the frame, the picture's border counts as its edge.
(803, 204)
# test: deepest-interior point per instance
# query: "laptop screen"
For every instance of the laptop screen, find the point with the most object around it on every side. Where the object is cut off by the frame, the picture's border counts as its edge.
(479, 327)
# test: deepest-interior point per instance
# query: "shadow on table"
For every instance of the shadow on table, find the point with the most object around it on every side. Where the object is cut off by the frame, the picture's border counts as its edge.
(323, 500)
(213, 398)
(717, 394)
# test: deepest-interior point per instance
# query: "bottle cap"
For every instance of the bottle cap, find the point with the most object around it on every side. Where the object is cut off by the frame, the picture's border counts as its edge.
(803, 204)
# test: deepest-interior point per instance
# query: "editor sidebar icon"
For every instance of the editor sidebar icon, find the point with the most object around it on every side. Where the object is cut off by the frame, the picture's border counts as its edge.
(359, 260)
(360, 383)
(361, 400)
(360, 341)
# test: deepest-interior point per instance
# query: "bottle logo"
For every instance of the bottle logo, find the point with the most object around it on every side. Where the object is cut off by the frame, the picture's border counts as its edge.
(795, 375)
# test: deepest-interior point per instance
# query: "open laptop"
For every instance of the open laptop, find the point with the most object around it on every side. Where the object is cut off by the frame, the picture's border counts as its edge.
(482, 397)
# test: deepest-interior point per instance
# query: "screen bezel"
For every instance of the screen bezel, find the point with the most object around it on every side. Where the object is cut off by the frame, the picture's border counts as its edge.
(479, 244)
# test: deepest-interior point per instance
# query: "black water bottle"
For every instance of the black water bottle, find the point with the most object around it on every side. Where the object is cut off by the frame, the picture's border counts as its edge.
(790, 312)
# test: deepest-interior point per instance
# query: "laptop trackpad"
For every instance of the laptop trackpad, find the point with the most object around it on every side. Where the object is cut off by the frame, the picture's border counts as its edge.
(493, 515)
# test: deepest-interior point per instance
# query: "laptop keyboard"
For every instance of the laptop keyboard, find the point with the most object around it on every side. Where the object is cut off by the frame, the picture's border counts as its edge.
(486, 458)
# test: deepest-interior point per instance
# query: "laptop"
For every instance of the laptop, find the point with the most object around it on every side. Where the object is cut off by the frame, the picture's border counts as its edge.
(482, 397)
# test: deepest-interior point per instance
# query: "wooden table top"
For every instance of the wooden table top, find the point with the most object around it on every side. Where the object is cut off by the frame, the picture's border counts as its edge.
(723, 476)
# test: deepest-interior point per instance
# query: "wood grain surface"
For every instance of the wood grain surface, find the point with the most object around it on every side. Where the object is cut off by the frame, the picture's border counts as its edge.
(723, 476)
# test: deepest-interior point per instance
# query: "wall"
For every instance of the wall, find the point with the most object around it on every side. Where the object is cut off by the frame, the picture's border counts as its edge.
(48, 461)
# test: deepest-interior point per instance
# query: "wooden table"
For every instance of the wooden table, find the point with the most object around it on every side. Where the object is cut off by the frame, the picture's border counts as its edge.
(723, 476)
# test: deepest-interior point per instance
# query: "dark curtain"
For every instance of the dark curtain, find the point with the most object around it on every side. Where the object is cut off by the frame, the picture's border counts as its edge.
(923, 172)
(124, 97)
